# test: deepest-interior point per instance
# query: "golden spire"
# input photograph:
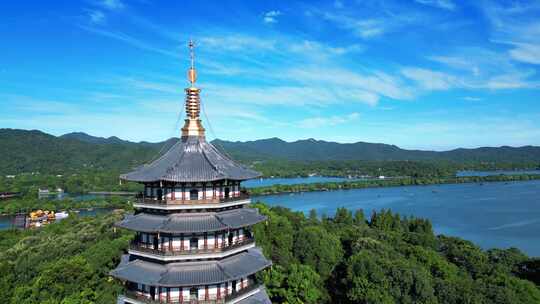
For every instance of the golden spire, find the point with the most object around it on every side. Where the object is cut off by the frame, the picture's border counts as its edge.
(192, 125)
(192, 74)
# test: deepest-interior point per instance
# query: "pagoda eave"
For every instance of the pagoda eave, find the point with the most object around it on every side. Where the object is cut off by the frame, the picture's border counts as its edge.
(192, 273)
(192, 223)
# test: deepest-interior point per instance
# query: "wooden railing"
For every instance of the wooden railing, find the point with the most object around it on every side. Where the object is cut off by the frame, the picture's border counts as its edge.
(212, 299)
(138, 247)
(162, 202)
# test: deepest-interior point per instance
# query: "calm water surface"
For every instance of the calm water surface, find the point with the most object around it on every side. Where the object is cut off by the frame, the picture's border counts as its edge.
(490, 214)
(264, 182)
(497, 172)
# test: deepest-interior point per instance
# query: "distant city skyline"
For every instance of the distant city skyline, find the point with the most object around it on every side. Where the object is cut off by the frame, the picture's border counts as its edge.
(424, 74)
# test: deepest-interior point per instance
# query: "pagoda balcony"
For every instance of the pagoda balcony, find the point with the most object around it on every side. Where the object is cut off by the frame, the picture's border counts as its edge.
(211, 252)
(178, 204)
(137, 297)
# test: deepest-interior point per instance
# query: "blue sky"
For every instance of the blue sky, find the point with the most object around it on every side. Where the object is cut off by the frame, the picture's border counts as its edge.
(427, 74)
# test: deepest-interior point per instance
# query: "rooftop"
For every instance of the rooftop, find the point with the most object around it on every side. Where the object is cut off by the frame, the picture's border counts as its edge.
(192, 273)
(192, 222)
(191, 159)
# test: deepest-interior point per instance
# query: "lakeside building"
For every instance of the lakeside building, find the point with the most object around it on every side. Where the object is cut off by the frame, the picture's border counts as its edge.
(194, 242)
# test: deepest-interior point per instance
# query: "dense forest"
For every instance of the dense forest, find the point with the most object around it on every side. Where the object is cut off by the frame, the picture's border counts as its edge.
(345, 259)
(386, 259)
(34, 151)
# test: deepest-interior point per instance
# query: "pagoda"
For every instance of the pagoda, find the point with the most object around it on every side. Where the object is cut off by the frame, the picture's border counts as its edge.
(194, 240)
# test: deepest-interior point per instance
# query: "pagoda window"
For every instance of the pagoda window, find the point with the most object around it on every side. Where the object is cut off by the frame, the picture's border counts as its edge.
(193, 294)
(193, 194)
(231, 238)
(152, 292)
(159, 194)
(227, 192)
(194, 243)
(156, 242)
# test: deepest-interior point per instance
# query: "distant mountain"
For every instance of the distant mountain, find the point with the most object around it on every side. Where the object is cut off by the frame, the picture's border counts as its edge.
(35, 151)
(319, 150)
(28, 151)
(81, 136)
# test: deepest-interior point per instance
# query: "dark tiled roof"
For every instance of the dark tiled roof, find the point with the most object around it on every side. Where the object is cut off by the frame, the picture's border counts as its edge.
(259, 298)
(191, 159)
(192, 222)
(192, 273)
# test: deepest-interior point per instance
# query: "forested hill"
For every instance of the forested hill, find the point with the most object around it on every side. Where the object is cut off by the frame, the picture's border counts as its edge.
(319, 150)
(30, 151)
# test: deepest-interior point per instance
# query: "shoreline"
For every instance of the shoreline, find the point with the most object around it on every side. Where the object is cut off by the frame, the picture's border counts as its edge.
(396, 182)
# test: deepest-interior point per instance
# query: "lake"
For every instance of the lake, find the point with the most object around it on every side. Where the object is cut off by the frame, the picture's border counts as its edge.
(496, 172)
(265, 182)
(491, 214)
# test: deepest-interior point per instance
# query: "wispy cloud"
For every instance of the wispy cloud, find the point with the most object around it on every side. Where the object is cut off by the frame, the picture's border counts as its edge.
(444, 4)
(480, 68)
(367, 28)
(116, 35)
(271, 17)
(317, 122)
(96, 17)
(471, 98)
(429, 80)
(237, 42)
(517, 26)
(111, 4)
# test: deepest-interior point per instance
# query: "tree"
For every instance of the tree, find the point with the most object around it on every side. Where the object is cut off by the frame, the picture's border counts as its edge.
(296, 284)
(319, 249)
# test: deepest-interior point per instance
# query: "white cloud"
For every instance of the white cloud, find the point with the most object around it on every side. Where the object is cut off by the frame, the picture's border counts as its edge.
(478, 68)
(129, 40)
(364, 28)
(444, 4)
(517, 26)
(237, 42)
(112, 4)
(271, 16)
(428, 79)
(317, 122)
(526, 52)
(364, 88)
(318, 50)
(471, 98)
(96, 17)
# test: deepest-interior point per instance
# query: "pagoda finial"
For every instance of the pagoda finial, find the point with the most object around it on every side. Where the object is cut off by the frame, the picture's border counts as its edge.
(192, 74)
(192, 125)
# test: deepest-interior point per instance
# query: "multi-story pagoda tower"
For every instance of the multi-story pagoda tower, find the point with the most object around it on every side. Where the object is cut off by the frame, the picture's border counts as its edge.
(193, 240)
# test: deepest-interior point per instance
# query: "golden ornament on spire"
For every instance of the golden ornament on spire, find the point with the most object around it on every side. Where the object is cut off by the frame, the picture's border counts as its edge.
(192, 125)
